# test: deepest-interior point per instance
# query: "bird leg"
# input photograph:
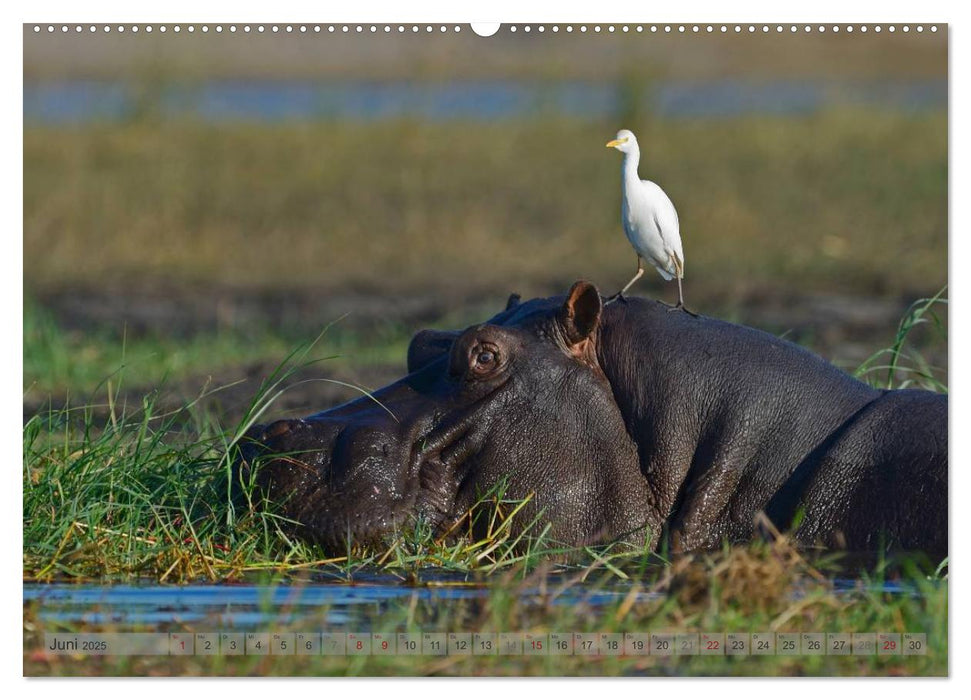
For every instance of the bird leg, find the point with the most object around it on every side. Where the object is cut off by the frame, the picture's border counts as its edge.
(680, 304)
(637, 276)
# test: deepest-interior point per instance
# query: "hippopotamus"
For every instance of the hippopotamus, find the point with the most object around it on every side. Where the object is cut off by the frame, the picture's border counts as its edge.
(622, 422)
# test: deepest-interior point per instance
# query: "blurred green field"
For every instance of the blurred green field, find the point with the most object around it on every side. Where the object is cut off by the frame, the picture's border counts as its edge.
(839, 201)
(83, 363)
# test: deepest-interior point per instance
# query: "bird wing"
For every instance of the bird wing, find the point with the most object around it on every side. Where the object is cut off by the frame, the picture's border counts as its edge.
(666, 218)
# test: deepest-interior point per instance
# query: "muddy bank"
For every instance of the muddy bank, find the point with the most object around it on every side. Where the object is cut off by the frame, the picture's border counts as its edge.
(833, 321)
(185, 310)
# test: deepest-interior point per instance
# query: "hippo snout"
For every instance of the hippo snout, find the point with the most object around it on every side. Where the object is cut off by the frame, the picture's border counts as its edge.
(334, 479)
(284, 457)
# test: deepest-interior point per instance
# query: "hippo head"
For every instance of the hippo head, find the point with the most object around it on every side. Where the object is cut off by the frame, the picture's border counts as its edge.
(520, 401)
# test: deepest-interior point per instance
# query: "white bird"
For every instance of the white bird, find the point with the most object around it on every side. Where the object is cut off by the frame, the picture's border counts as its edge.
(650, 219)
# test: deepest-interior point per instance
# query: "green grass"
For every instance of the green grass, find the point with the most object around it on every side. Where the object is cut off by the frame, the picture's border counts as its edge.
(82, 361)
(902, 365)
(844, 200)
(144, 494)
(87, 364)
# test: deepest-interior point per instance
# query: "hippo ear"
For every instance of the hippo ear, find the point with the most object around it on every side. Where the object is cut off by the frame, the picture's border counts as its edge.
(581, 312)
(513, 301)
(427, 346)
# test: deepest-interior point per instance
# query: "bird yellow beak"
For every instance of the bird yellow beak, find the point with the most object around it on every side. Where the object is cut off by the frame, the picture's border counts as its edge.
(615, 142)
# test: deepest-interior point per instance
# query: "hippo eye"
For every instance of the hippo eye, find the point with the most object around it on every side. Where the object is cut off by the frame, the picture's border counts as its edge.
(484, 358)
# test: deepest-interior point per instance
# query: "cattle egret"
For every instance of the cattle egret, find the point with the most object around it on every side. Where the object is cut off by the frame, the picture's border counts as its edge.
(650, 219)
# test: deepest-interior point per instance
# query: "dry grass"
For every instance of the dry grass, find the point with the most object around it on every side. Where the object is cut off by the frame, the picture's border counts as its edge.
(853, 201)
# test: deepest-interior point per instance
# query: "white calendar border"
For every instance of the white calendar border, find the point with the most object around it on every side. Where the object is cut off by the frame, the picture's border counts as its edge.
(565, 11)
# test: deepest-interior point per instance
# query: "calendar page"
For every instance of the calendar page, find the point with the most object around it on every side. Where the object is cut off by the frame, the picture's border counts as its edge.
(515, 349)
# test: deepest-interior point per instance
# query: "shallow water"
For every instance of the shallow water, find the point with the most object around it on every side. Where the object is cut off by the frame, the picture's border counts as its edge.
(336, 605)
(81, 101)
(237, 606)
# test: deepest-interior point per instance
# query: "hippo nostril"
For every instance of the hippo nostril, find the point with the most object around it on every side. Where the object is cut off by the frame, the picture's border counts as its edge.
(274, 430)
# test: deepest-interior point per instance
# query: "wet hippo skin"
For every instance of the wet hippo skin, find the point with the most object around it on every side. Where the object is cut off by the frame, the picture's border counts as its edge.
(626, 421)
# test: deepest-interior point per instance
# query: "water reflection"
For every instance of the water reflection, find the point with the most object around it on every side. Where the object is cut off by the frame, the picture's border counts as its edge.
(335, 605)
(81, 101)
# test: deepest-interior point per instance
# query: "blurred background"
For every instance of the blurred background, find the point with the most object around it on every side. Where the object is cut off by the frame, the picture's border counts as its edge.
(196, 205)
